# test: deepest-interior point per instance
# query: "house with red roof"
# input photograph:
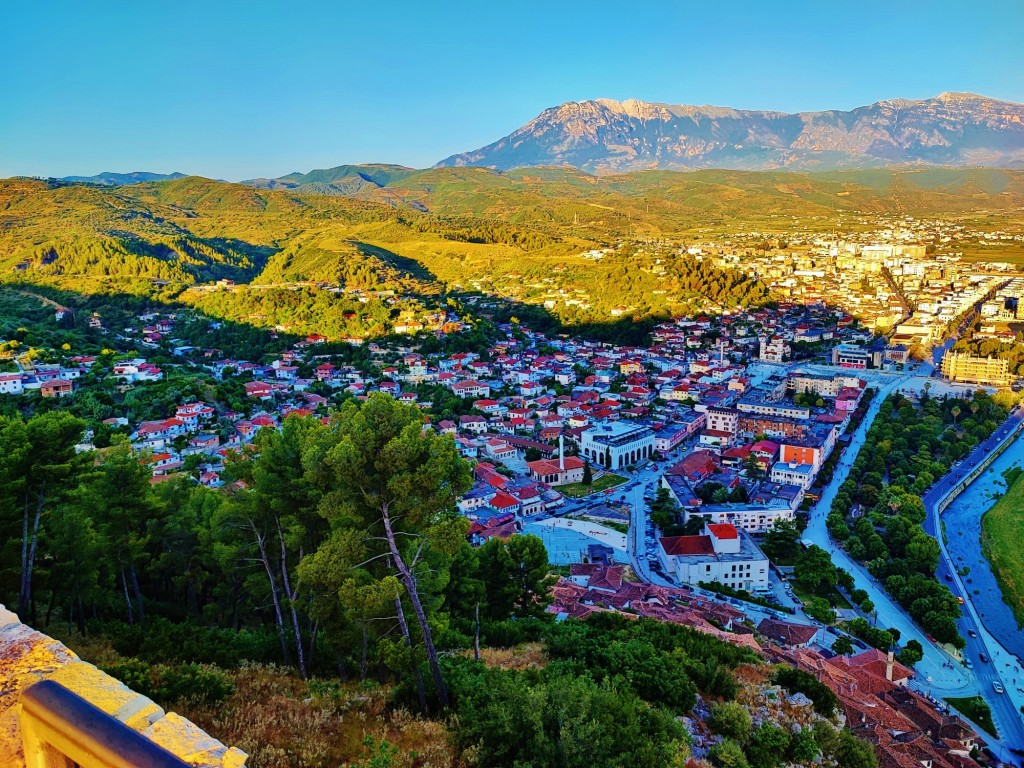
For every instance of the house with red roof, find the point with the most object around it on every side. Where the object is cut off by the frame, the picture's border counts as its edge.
(554, 472)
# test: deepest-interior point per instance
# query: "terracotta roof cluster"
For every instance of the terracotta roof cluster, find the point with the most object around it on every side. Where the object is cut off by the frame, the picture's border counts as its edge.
(905, 727)
(594, 588)
(786, 632)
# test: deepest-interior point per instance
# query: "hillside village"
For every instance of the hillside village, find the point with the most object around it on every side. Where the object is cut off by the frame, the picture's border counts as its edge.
(737, 414)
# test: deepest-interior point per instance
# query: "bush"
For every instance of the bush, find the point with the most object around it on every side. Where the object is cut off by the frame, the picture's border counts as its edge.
(167, 684)
(728, 754)
(159, 641)
(731, 721)
(798, 681)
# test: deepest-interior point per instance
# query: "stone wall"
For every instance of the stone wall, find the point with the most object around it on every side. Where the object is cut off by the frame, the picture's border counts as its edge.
(28, 656)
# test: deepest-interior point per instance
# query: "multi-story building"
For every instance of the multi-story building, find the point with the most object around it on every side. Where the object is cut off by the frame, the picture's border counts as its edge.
(959, 366)
(752, 518)
(723, 419)
(774, 426)
(723, 553)
(760, 406)
(823, 386)
(853, 356)
(617, 444)
(791, 473)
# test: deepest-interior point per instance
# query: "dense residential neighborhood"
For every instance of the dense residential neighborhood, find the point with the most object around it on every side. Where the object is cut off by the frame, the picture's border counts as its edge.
(731, 423)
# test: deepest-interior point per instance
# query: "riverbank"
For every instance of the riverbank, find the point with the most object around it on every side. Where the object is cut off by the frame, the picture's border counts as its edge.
(1002, 530)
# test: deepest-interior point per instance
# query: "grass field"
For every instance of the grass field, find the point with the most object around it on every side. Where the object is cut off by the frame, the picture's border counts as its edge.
(603, 483)
(1002, 530)
(977, 710)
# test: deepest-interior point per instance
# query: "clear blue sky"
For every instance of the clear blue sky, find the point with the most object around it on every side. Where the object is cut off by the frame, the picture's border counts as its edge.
(241, 89)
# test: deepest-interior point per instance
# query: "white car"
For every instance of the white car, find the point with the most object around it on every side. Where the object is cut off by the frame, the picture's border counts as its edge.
(998, 687)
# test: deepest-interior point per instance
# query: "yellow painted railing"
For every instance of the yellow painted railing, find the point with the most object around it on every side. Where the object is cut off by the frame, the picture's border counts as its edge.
(60, 729)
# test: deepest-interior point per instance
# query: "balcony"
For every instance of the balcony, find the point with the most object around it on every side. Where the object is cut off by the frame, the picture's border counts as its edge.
(57, 711)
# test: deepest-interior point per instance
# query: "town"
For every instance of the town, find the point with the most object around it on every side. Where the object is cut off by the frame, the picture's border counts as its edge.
(654, 476)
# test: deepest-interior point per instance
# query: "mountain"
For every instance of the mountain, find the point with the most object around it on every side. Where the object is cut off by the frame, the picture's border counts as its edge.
(606, 136)
(111, 179)
(340, 180)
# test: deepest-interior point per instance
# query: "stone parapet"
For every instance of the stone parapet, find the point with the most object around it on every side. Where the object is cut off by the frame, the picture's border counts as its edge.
(28, 657)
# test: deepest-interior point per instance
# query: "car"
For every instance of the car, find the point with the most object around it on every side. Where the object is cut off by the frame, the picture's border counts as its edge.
(971, 633)
(948, 577)
(983, 658)
(998, 687)
(959, 600)
(967, 663)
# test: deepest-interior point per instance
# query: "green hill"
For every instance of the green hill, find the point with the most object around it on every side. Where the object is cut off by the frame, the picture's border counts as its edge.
(518, 235)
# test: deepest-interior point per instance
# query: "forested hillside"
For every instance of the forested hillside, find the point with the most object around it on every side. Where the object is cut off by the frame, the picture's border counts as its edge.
(522, 237)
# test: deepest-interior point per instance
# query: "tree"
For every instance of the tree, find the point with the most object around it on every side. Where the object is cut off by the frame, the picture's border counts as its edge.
(768, 745)
(912, 653)
(38, 467)
(851, 752)
(276, 515)
(782, 541)
(516, 577)
(386, 476)
(588, 474)
(730, 720)
(923, 554)
(814, 567)
(843, 646)
(119, 499)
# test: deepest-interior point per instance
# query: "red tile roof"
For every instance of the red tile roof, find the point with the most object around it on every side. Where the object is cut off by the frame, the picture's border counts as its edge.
(687, 545)
(723, 530)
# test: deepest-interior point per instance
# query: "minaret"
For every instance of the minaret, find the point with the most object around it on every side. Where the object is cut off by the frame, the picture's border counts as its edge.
(561, 454)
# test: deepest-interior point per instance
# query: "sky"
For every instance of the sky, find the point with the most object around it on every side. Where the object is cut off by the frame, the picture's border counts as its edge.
(238, 90)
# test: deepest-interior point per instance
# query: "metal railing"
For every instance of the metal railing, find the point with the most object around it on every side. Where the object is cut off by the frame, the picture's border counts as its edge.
(60, 729)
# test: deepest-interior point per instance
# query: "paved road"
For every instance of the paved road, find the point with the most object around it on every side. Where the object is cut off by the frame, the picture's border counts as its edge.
(934, 670)
(1002, 667)
(938, 673)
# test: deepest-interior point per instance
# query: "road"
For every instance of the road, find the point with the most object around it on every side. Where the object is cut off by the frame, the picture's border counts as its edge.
(938, 672)
(1002, 667)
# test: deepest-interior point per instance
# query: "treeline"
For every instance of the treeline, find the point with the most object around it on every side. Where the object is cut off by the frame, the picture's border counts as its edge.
(481, 232)
(175, 258)
(877, 513)
(302, 311)
(340, 539)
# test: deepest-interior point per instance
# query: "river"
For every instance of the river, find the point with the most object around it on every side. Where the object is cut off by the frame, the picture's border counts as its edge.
(963, 533)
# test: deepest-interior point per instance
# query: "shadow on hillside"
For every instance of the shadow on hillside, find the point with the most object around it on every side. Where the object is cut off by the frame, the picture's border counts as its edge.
(404, 264)
(622, 331)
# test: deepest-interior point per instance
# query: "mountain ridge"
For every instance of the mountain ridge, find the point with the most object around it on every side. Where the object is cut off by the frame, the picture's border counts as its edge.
(115, 179)
(604, 136)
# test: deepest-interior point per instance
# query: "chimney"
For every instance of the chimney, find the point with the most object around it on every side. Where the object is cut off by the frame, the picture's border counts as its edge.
(561, 454)
(888, 667)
